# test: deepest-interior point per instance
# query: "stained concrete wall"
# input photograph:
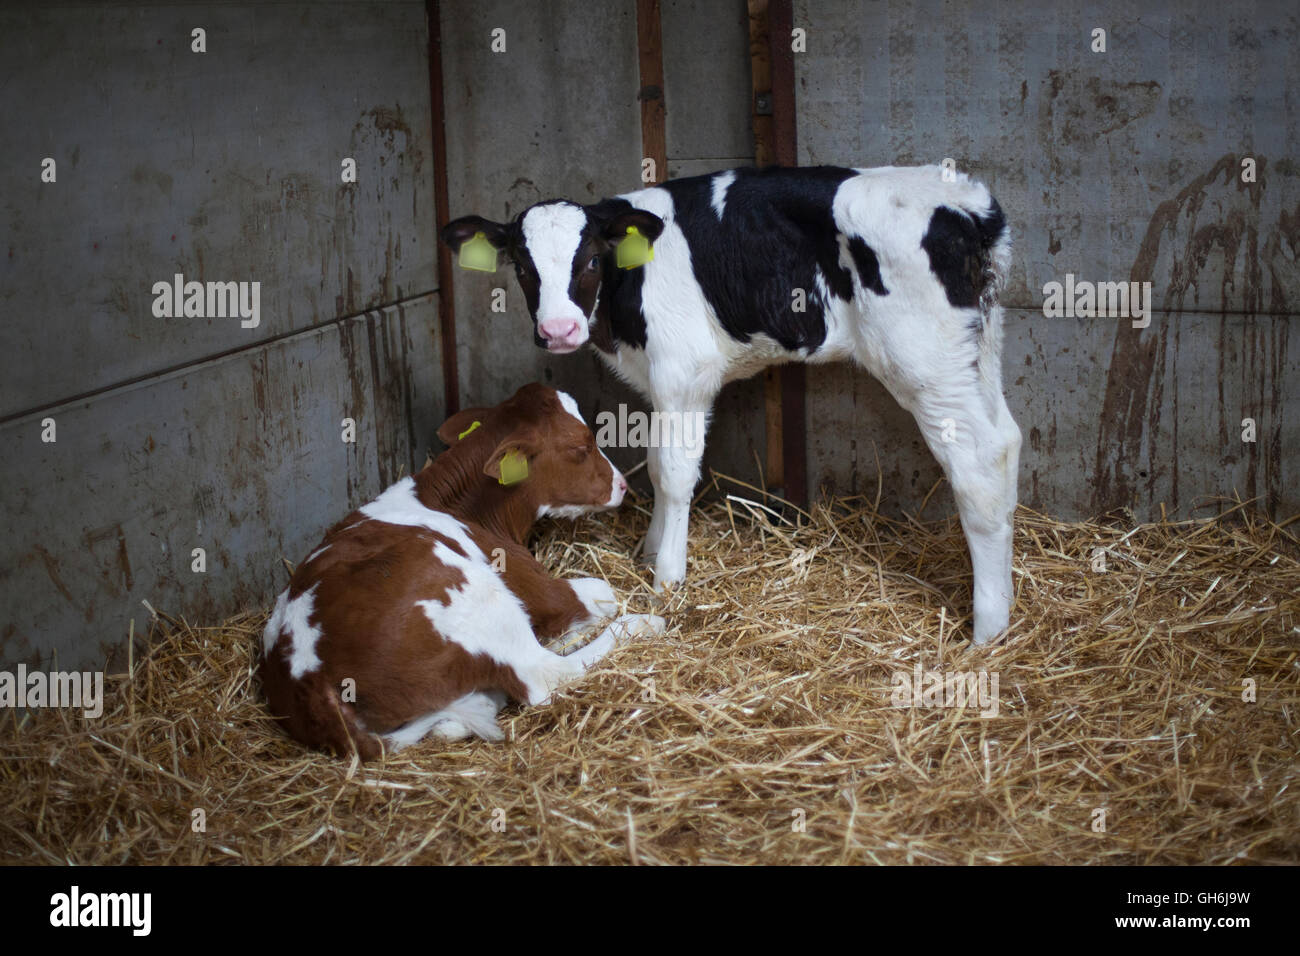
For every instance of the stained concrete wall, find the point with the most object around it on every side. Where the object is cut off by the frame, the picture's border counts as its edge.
(1116, 165)
(182, 433)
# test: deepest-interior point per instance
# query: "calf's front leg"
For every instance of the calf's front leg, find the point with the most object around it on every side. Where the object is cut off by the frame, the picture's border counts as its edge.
(654, 536)
(674, 471)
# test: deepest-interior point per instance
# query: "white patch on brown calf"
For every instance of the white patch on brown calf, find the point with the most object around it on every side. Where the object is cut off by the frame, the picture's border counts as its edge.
(295, 621)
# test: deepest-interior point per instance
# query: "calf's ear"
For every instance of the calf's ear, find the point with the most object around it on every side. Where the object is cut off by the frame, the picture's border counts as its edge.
(462, 423)
(459, 231)
(646, 223)
(509, 462)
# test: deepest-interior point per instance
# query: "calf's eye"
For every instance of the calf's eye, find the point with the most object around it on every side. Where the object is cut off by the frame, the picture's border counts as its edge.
(594, 264)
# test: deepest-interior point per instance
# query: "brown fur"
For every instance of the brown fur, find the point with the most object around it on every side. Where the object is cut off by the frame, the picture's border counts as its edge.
(373, 573)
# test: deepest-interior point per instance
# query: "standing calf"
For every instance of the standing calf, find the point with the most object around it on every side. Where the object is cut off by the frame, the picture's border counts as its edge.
(894, 268)
(427, 600)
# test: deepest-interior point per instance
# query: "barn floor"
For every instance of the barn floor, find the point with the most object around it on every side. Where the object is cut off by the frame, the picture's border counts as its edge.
(759, 729)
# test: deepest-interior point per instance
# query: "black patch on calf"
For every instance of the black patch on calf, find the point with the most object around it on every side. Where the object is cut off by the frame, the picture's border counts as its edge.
(952, 242)
(776, 232)
(619, 319)
(958, 245)
(620, 307)
(868, 266)
(526, 276)
(991, 226)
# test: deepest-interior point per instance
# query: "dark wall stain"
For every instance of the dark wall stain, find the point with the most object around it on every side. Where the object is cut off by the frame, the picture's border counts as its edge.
(52, 569)
(1088, 107)
(388, 121)
(116, 537)
(383, 408)
(357, 410)
(1212, 221)
(1281, 253)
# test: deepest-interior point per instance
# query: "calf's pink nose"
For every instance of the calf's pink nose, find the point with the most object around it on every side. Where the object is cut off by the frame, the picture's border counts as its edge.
(558, 329)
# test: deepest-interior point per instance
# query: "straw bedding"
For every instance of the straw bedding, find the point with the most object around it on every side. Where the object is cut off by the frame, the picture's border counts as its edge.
(760, 728)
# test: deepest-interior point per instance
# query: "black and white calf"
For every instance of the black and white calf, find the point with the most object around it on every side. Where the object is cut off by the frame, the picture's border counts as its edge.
(896, 268)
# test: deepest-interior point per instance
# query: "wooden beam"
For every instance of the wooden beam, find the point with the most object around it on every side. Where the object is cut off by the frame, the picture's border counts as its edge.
(446, 296)
(794, 432)
(771, 62)
(781, 23)
(760, 70)
(650, 61)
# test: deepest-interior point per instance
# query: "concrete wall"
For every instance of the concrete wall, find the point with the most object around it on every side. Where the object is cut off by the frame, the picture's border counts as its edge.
(182, 433)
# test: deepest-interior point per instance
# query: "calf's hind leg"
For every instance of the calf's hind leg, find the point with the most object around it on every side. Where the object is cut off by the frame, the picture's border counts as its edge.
(952, 386)
(971, 433)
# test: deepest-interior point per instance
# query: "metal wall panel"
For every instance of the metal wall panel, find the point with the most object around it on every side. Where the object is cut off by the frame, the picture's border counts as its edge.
(1111, 166)
(242, 456)
(180, 433)
(223, 165)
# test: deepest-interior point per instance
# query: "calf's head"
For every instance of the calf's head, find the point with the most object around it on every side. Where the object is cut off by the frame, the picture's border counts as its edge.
(536, 444)
(564, 257)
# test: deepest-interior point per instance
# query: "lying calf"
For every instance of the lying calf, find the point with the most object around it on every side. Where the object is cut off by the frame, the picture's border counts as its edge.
(420, 613)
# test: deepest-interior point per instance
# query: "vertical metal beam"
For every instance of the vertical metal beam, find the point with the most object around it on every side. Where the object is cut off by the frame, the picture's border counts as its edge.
(446, 297)
(650, 61)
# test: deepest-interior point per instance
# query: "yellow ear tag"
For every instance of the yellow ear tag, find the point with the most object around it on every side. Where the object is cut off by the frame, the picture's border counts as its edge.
(635, 250)
(478, 254)
(468, 430)
(514, 468)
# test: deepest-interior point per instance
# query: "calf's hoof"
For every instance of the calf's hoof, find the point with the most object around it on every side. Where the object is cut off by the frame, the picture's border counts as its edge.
(990, 629)
(669, 574)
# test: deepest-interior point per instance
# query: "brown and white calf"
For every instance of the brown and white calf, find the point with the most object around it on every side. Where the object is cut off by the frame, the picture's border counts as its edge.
(428, 604)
